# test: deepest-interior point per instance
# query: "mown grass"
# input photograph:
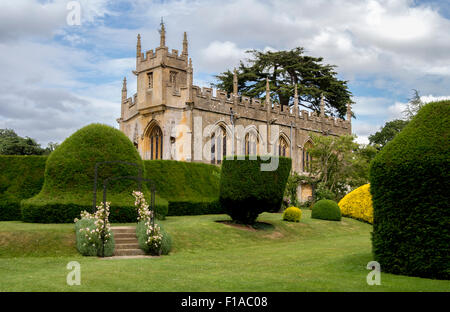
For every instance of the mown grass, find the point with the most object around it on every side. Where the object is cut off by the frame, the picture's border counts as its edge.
(313, 255)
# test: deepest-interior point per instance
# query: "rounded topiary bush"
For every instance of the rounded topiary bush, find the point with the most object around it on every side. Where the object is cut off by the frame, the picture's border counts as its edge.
(410, 182)
(246, 190)
(326, 209)
(69, 176)
(358, 204)
(293, 214)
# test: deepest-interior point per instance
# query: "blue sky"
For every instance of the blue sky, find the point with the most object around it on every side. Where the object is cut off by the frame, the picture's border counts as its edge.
(56, 78)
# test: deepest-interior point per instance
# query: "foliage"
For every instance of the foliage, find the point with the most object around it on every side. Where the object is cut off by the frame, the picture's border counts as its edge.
(290, 193)
(285, 70)
(13, 144)
(93, 233)
(194, 207)
(246, 191)
(387, 133)
(322, 192)
(293, 214)
(20, 177)
(190, 188)
(326, 209)
(358, 204)
(69, 176)
(409, 182)
(338, 163)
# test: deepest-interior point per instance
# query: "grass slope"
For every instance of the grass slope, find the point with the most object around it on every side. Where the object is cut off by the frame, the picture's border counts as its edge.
(312, 255)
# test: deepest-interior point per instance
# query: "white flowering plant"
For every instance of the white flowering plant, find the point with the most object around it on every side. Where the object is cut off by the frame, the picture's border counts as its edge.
(149, 234)
(93, 232)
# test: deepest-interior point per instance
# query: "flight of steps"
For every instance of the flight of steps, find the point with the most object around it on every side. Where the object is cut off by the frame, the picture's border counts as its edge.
(126, 241)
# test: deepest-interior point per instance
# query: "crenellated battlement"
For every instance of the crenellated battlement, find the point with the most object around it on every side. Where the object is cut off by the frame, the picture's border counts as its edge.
(219, 101)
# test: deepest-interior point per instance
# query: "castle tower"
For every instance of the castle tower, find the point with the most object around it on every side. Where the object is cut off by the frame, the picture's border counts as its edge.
(160, 75)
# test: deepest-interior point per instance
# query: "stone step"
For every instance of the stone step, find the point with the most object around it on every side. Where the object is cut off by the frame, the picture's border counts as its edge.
(124, 235)
(127, 246)
(123, 229)
(128, 252)
(125, 240)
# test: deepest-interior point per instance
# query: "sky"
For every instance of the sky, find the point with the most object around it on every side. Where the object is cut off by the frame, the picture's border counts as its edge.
(56, 77)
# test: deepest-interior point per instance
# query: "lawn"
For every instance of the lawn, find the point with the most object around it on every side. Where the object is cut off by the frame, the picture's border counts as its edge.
(312, 255)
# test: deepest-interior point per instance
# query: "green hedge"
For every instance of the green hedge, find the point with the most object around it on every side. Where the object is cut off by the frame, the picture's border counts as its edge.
(21, 177)
(246, 191)
(326, 209)
(69, 176)
(46, 211)
(410, 183)
(190, 188)
(193, 207)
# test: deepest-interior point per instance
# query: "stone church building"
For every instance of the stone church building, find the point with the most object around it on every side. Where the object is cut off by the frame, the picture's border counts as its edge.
(170, 118)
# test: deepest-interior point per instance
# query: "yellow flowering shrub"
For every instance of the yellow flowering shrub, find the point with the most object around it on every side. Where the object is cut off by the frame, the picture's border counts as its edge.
(293, 214)
(358, 204)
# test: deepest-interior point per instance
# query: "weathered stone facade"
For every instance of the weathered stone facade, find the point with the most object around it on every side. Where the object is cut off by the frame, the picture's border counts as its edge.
(170, 118)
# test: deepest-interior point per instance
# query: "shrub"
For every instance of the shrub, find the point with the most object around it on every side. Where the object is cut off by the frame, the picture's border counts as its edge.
(91, 247)
(326, 209)
(69, 176)
(141, 233)
(246, 191)
(409, 183)
(293, 214)
(190, 188)
(21, 177)
(358, 204)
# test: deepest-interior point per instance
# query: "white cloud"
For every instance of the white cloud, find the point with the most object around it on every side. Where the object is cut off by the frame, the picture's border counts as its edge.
(396, 111)
(219, 55)
(431, 98)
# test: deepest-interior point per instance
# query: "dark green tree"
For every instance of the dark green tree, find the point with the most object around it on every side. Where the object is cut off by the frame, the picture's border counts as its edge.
(13, 144)
(285, 69)
(387, 133)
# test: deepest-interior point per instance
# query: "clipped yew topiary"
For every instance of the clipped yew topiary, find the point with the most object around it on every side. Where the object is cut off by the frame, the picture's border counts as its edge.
(326, 209)
(69, 176)
(410, 182)
(246, 190)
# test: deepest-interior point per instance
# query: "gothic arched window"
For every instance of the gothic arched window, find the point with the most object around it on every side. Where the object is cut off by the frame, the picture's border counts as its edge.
(156, 143)
(251, 146)
(218, 145)
(283, 147)
(306, 159)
